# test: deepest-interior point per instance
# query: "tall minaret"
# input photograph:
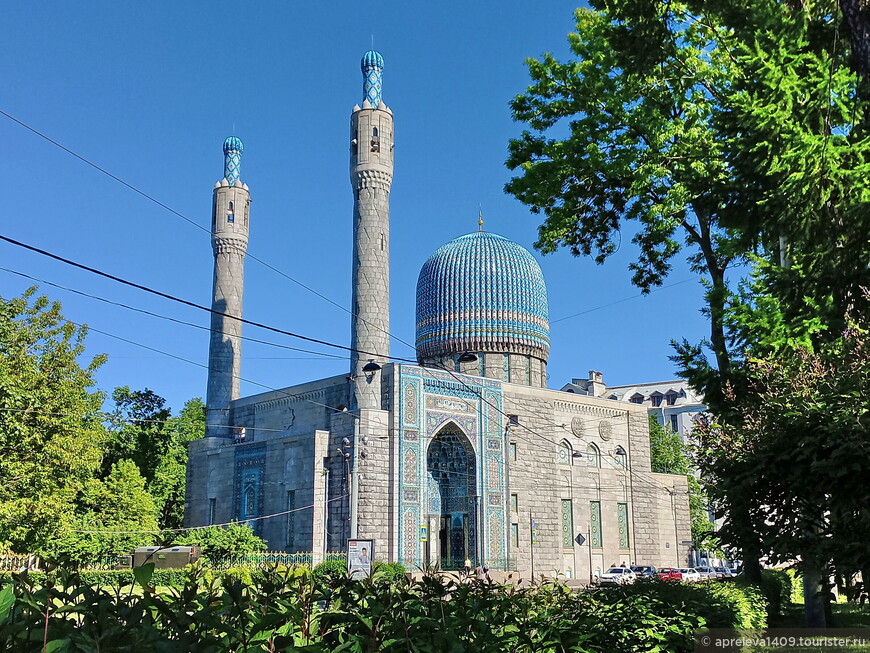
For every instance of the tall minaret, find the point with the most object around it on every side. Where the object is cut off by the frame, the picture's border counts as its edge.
(229, 241)
(371, 174)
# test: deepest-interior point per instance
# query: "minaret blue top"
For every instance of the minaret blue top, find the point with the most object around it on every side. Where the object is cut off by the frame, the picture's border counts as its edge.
(372, 69)
(233, 148)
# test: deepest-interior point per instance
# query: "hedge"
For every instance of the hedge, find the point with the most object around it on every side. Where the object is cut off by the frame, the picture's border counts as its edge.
(721, 605)
(777, 587)
(385, 612)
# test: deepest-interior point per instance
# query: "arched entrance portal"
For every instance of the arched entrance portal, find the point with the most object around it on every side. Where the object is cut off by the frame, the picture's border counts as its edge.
(452, 478)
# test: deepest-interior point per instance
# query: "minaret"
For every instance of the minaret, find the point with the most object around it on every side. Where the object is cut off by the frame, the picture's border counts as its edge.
(371, 174)
(229, 241)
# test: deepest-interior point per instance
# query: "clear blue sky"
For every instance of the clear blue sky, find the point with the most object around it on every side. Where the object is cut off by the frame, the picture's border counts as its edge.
(150, 90)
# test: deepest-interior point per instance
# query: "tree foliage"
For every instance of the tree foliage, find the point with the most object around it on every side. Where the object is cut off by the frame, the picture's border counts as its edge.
(801, 454)
(219, 542)
(670, 455)
(51, 435)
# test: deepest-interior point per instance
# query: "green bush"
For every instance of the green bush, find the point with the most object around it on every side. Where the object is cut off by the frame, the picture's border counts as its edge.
(277, 610)
(777, 587)
(219, 542)
(330, 569)
(389, 570)
(720, 605)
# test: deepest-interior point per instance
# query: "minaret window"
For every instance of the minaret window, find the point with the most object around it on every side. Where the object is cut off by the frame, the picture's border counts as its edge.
(231, 213)
(376, 140)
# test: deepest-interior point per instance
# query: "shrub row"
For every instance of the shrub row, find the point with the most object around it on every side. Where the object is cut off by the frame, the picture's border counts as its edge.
(296, 609)
(777, 587)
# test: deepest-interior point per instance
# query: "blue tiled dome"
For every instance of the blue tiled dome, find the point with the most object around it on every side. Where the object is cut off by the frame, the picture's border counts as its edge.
(482, 293)
(372, 59)
(233, 144)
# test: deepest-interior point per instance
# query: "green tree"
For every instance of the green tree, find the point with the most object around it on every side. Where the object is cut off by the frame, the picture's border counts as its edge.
(670, 455)
(118, 511)
(143, 431)
(623, 138)
(51, 435)
(170, 477)
(219, 542)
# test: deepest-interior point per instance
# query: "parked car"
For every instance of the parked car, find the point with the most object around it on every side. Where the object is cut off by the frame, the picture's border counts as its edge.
(707, 573)
(617, 576)
(723, 572)
(644, 571)
(690, 575)
(669, 573)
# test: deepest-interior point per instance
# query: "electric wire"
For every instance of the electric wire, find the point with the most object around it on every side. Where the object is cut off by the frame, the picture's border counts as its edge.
(197, 528)
(167, 317)
(162, 205)
(186, 302)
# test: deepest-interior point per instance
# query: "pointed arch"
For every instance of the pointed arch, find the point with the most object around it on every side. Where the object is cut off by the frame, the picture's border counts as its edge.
(593, 456)
(566, 453)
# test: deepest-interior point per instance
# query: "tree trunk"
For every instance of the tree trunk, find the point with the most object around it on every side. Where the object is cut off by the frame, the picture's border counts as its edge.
(815, 596)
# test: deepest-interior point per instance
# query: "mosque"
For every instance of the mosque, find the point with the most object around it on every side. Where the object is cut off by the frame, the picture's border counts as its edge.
(465, 454)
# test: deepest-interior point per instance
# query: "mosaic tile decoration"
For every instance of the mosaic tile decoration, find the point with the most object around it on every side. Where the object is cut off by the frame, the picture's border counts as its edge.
(233, 148)
(482, 292)
(372, 66)
(250, 466)
(434, 403)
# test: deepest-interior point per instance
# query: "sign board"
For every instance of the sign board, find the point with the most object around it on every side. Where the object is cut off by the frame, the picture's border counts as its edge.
(359, 557)
(687, 543)
(534, 531)
(424, 533)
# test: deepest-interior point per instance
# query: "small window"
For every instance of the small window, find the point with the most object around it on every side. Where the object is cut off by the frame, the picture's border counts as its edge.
(636, 398)
(211, 511)
(376, 141)
(513, 420)
(513, 450)
(656, 399)
(619, 458)
(515, 503)
(231, 217)
(528, 370)
(565, 453)
(593, 456)
(671, 397)
(675, 427)
(515, 535)
(481, 365)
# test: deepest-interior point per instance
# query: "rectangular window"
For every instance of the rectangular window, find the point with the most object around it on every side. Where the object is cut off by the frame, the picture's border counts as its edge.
(622, 520)
(211, 511)
(675, 427)
(506, 367)
(481, 364)
(567, 523)
(291, 517)
(595, 524)
(515, 535)
(528, 370)
(515, 503)
(655, 400)
(513, 450)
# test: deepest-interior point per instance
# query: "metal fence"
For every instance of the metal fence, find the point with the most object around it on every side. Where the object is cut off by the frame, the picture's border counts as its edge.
(257, 560)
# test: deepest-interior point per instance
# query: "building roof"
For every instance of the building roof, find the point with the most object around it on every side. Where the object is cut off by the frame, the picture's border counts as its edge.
(482, 293)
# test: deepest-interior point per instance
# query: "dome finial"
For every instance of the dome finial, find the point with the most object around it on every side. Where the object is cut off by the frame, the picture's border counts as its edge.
(480, 216)
(233, 148)
(372, 66)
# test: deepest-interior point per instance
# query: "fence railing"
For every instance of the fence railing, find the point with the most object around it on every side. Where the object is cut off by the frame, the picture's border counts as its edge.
(19, 562)
(257, 560)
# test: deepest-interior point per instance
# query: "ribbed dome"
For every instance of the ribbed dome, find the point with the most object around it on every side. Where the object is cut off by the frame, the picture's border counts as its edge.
(372, 59)
(482, 293)
(233, 144)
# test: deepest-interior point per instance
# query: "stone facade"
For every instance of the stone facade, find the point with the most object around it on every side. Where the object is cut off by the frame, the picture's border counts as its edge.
(531, 467)
(439, 462)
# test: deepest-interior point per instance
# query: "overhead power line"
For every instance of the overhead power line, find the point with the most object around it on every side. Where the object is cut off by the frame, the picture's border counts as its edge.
(186, 302)
(162, 205)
